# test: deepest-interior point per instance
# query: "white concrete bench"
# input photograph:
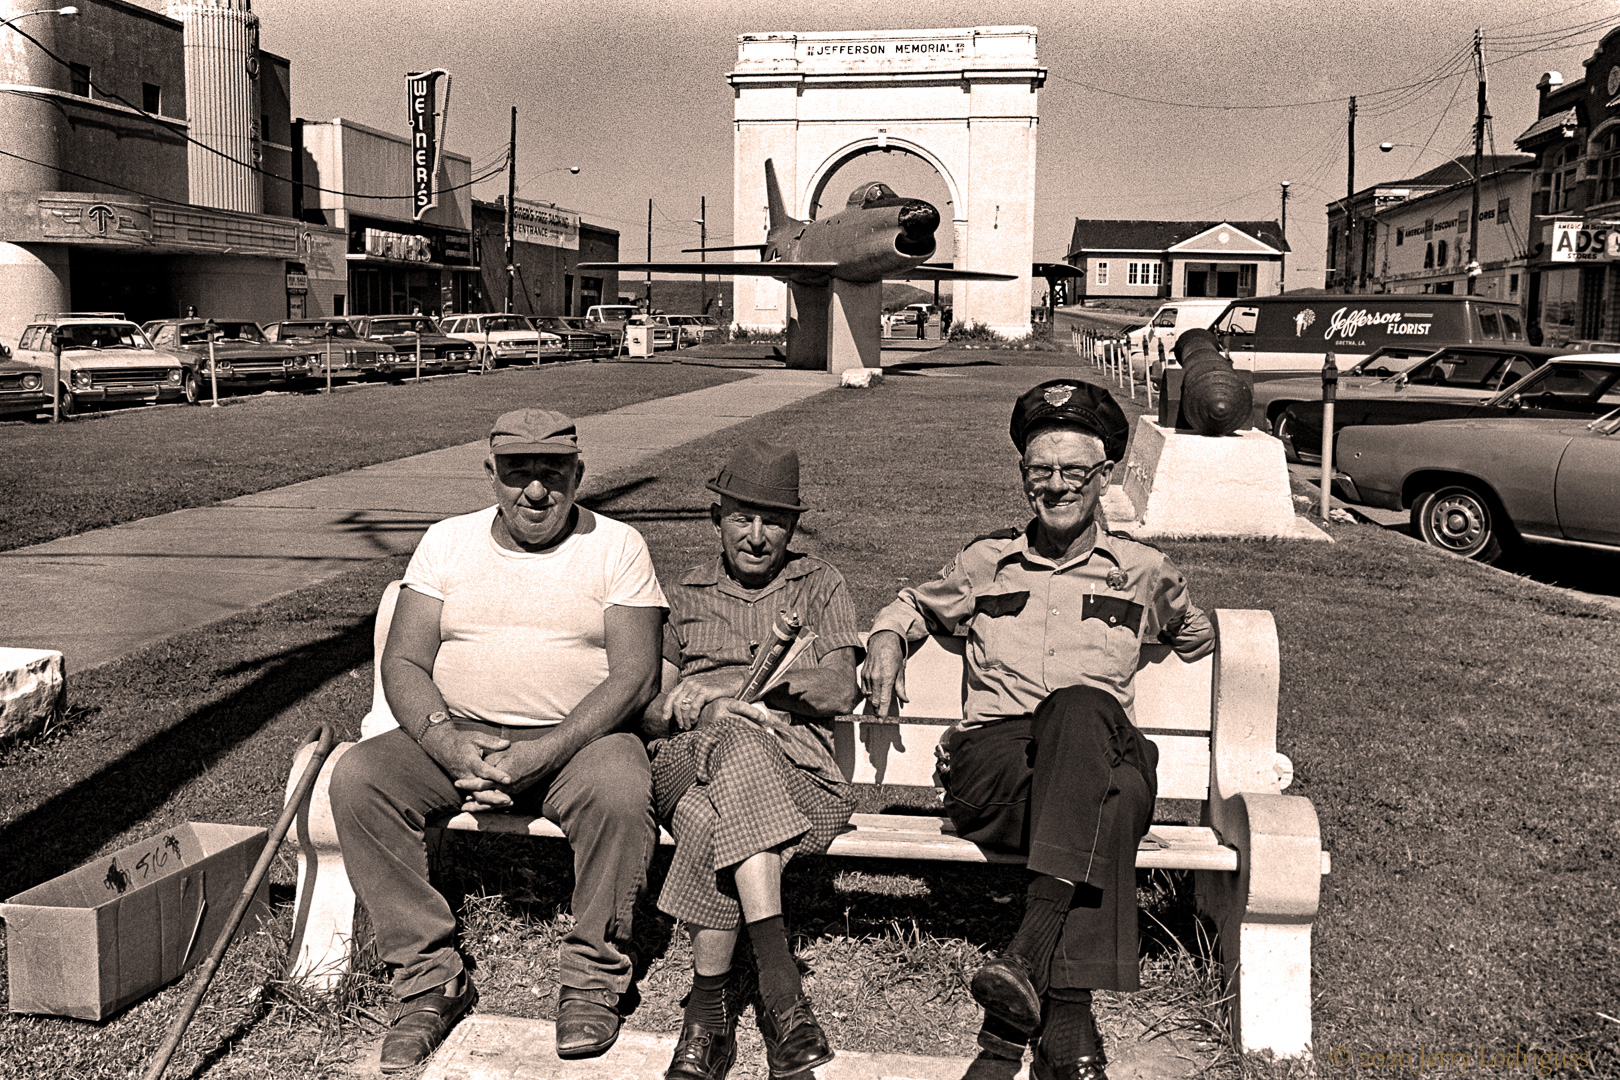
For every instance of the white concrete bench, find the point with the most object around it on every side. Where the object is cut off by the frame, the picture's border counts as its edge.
(1257, 856)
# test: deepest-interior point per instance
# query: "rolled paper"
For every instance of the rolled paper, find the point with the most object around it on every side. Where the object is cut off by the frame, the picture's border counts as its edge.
(1215, 399)
(768, 657)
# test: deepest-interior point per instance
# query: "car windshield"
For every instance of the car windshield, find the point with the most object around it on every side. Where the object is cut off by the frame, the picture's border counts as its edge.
(1465, 369)
(1565, 387)
(551, 323)
(1387, 361)
(505, 322)
(418, 325)
(616, 314)
(103, 336)
(197, 333)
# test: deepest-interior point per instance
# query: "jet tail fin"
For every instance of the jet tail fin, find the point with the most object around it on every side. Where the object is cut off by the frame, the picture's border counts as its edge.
(773, 199)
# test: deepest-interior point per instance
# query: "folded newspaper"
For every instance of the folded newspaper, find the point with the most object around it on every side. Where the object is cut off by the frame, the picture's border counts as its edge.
(776, 657)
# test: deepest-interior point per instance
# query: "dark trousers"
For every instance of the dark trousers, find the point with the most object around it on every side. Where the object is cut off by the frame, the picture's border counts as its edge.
(385, 788)
(1073, 788)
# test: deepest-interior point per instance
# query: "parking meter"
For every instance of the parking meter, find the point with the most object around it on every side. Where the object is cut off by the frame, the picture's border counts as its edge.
(56, 379)
(211, 328)
(1330, 392)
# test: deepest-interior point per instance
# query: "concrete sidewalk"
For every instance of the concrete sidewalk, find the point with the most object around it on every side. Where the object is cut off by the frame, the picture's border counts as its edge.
(100, 595)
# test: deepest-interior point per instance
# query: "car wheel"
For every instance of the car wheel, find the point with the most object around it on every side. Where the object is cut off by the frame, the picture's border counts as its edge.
(1459, 519)
(193, 388)
(68, 405)
(1284, 428)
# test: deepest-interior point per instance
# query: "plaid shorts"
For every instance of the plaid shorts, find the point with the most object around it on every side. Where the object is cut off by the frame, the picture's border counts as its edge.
(727, 792)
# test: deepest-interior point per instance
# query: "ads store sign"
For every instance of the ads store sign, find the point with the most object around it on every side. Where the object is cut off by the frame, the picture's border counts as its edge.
(1590, 241)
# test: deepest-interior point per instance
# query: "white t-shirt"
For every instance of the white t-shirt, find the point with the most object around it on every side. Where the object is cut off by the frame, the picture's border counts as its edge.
(522, 636)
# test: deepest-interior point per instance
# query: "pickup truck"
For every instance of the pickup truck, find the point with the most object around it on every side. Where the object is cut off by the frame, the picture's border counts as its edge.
(612, 319)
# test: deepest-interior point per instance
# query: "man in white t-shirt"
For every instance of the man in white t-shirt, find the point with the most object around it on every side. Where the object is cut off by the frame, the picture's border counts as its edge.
(525, 639)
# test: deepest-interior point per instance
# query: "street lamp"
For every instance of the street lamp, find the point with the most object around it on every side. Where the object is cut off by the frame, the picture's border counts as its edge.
(65, 12)
(572, 169)
(1388, 146)
(1473, 268)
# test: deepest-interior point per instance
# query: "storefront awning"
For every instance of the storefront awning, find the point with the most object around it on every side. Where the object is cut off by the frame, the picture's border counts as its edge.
(406, 264)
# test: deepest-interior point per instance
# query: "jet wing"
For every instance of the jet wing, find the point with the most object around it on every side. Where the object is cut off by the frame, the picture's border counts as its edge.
(815, 272)
(928, 272)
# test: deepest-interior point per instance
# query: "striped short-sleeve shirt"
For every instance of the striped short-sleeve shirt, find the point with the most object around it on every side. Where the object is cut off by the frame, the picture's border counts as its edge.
(715, 623)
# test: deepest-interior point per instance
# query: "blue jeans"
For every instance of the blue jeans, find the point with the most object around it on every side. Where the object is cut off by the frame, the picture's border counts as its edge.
(384, 790)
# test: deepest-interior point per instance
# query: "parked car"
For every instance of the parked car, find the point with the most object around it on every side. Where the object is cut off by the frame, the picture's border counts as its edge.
(1479, 484)
(579, 343)
(1389, 375)
(1581, 386)
(23, 388)
(105, 357)
(333, 342)
(613, 316)
(614, 332)
(500, 340)
(1170, 322)
(441, 354)
(241, 352)
(1274, 336)
(664, 335)
(697, 329)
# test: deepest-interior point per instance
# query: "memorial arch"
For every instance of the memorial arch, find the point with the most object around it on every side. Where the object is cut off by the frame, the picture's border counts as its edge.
(962, 100)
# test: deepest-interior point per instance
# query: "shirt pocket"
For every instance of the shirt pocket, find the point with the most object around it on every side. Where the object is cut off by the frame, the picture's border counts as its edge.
(1120, 623)
(996, 622)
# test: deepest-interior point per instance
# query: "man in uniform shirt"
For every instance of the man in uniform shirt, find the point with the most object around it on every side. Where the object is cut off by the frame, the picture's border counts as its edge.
(523, 646)
(1046, 760)
(745, 788)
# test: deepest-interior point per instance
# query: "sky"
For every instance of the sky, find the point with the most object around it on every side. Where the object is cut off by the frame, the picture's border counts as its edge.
(634, 93)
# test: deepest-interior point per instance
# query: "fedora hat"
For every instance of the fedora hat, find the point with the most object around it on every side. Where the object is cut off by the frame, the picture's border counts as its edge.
(762, 474)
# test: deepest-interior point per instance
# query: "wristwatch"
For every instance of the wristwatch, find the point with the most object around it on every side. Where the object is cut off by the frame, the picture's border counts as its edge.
(434, 719)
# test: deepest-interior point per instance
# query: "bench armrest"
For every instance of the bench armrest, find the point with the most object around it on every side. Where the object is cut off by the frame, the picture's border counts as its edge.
(1243, 713)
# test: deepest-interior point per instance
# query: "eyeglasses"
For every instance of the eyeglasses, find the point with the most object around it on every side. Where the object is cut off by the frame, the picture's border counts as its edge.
(1073, 475)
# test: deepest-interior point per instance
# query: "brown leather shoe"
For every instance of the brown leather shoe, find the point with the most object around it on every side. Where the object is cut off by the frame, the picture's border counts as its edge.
(587, 1022)
(1004, 988)
(703, 1053)
(417, 1025)
(794, 1041)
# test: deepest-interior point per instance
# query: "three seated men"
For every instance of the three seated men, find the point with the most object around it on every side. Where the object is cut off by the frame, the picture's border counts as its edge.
(524, 652)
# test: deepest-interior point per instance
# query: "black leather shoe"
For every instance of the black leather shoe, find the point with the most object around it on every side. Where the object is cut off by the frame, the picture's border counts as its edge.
(703, 1053)
(1084, 1061)
(587, 1022)
(419, 1024)
(1004, 988)
(794, 1042)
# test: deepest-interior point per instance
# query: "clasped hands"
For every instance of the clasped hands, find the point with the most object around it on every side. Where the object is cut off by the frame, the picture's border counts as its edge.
(488, 769)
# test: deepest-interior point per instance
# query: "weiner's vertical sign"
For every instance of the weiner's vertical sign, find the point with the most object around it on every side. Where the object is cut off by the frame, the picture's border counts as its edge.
(427, 132)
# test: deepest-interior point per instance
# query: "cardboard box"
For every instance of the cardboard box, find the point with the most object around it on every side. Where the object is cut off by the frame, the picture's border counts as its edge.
(96, 939)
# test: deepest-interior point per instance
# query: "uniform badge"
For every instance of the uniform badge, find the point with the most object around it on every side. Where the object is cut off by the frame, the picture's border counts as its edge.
(1117, 578)
(1058, 396)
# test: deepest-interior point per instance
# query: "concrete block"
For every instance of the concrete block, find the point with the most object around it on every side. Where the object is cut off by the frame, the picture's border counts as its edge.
(862, 378)
(33, 691)
(1184, 485)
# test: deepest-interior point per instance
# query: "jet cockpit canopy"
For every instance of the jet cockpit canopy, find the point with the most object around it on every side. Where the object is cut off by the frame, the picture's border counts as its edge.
(875, 194)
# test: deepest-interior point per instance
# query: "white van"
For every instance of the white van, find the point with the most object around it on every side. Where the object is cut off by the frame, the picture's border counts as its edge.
(1172, 320)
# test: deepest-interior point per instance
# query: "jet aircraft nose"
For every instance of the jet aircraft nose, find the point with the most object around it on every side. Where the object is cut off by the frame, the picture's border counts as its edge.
(918, 220)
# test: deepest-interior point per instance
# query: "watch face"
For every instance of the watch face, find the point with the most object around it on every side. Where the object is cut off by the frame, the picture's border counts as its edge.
(1614, 79)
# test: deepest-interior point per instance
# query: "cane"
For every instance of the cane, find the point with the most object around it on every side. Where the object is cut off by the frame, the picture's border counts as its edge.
(188, 1009)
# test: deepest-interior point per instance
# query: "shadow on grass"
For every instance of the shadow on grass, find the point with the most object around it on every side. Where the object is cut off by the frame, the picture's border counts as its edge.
(70, 826)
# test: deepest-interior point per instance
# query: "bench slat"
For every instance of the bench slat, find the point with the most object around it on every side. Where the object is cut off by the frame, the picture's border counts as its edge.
(873, 752)
(904, 836)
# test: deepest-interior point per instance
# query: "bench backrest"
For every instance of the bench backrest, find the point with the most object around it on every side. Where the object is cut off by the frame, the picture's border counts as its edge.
(1177, 706)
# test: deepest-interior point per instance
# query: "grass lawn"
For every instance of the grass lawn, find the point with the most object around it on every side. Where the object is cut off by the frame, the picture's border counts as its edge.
(1450, 723)
(106, 468)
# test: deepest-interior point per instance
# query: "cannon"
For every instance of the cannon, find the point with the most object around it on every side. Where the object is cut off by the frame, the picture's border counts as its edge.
(1214, 398)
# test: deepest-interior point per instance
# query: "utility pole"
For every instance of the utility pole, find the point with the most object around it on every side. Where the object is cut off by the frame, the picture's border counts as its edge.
(703, 253)
(649, 256)
(1282, 268)
(511, 198)
(1350, 207)
(1479, 151)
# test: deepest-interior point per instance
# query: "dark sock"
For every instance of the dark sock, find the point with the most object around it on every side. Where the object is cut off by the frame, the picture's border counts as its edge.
(1070, 1030)
(1046, 905)
(778, 975)
(706, 1004)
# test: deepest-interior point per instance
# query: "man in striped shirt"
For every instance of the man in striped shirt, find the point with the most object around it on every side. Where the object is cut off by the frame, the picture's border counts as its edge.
(743, 787)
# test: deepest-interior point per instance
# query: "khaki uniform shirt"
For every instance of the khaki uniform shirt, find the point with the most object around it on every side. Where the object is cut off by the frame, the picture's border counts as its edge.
(715, 623)
(1034, 626)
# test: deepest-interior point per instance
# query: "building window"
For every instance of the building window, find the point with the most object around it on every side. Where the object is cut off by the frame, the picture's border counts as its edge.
(1333, 247)
(151, 98)
(79, 79)
(1102, 273)
(1513, 284)
(1563, 179)
(1400, 237)
(1142, 273)
(1504, 208)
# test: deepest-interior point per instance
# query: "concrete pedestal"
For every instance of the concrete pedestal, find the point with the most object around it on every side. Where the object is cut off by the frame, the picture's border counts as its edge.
(835, 327)
(33, 691)
(1179, 484)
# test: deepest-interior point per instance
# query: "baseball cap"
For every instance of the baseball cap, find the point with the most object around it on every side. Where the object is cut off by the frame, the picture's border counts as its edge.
(1071, 401)
(533, 431)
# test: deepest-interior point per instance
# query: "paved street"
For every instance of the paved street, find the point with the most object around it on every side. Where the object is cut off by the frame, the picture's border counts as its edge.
(100, 595)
